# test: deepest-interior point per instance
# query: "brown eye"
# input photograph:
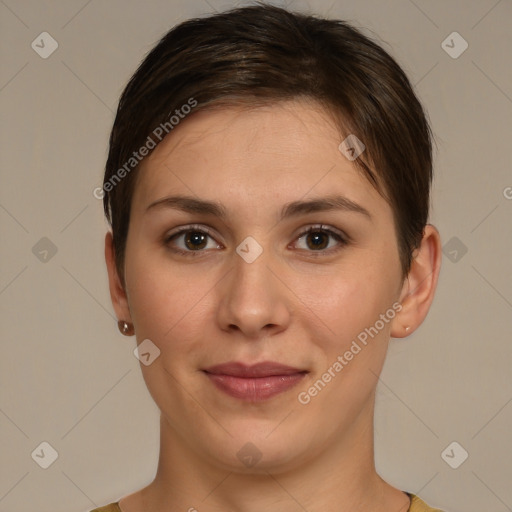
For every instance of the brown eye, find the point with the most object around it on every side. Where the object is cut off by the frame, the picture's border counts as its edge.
(191, 241)
(317, 240)
(195, 240)
(320, 239)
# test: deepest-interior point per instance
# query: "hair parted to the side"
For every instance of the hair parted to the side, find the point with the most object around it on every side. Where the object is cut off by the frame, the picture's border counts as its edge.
(263, 54)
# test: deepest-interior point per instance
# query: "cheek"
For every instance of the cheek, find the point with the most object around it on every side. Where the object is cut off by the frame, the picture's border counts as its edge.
(350, 339)
(345, 301)
(331, 304)
(166, 302)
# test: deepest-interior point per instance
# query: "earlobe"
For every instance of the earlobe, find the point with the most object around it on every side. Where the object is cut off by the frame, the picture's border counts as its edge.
(117, 290)
(420, 285)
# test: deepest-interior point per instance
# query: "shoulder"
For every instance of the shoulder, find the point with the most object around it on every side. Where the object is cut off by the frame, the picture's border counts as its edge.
(418, 505)
(113, 507)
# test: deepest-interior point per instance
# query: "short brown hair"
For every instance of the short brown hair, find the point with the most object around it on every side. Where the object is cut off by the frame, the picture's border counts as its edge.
(263, 54)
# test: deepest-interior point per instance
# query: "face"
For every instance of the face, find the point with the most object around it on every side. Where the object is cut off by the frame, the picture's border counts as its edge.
(277, 250)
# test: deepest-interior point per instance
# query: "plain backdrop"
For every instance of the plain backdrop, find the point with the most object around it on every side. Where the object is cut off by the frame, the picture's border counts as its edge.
(69, 379)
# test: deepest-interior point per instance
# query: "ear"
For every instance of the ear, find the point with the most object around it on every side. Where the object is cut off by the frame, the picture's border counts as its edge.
(117, 291)
(420, 285)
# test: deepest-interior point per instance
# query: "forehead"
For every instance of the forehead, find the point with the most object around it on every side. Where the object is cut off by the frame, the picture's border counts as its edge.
(283, 149)
(274, 128)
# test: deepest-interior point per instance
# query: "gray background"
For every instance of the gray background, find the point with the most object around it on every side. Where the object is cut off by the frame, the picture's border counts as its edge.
(70, 379)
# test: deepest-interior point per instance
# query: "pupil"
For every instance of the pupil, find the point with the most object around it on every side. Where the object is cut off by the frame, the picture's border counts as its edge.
(196, 240)
(317, 240)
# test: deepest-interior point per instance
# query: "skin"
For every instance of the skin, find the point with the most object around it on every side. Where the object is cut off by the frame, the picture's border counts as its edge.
(295, 304)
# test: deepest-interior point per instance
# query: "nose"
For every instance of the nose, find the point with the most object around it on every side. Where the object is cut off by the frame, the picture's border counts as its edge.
(253, 300)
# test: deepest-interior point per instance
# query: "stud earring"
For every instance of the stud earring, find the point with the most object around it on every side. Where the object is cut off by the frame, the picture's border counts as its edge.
(125, 328)
(407, 328)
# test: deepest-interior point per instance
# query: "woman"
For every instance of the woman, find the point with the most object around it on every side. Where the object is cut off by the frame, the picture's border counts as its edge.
(268, 187)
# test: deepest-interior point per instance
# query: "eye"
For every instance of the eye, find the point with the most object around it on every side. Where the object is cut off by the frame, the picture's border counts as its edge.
(191, 240)
(194, 240)
(318, 239)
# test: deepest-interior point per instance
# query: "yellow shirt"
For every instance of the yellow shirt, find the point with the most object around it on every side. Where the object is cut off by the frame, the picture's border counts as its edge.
(417, 505)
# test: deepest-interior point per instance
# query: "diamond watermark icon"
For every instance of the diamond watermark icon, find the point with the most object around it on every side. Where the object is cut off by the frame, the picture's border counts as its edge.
(45, 455)
(249, 455)
(249, 249)
(44, 45)
(351, 147)
(454, 45)
(44, 250)
(454, 249)
(146, 352)
(454, 455)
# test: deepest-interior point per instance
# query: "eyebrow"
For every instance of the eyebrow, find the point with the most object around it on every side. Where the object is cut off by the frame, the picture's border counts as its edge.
(294, 209)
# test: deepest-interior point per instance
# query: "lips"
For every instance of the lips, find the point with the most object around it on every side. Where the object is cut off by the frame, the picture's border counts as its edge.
(254, 383)
(264, 369)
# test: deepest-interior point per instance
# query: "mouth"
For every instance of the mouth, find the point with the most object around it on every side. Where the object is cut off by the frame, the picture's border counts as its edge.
(254, 383)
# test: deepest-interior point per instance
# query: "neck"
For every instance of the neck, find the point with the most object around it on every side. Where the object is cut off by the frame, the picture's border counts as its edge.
(340, 477)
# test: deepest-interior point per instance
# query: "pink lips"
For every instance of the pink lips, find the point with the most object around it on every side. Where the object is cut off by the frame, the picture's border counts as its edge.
(254, 383)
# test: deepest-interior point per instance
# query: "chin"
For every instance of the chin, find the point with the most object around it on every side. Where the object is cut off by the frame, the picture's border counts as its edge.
(250, 451)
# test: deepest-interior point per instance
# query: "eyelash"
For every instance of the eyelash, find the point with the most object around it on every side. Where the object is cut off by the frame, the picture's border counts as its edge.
(342, 239)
